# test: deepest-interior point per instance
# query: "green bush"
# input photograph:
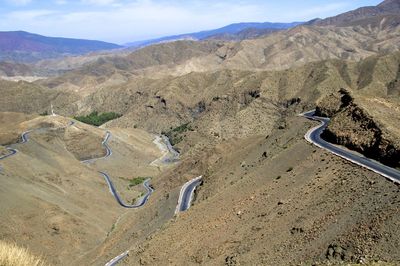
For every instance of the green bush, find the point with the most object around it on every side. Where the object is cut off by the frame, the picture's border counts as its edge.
(182, 128)
(97, 119)
(175, 136)
(136, 181)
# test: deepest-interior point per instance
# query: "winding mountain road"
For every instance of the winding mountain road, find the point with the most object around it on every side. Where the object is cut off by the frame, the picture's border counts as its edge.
(186, 194)
(170, 156)
(24, 139)
(12, 152)
(142, 201)
(110, 184)
(114, 192)
(314, 136)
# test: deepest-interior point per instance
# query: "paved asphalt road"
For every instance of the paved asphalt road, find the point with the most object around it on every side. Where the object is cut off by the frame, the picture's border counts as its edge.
(172, 157)
(114, 192)
(12, 152)
(24, 139)
(117, 259)
(142, 201)
(314, 136)
(24, 136)
(186, 194)
(110, 183)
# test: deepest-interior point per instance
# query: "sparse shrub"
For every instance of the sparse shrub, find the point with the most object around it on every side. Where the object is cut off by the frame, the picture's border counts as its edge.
(174, 134)
(182, 128)
(136, 181)
(290, 169)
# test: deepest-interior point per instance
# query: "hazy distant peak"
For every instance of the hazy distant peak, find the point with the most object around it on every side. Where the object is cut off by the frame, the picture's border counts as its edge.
(22, 46)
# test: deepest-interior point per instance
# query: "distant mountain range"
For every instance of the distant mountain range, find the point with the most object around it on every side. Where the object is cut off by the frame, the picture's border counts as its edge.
(232, 31)
(21, 46)
(24, 47)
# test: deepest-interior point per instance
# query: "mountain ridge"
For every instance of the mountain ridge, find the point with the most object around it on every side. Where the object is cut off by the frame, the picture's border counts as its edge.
(22, 46)
(388, 7)
(231, 29)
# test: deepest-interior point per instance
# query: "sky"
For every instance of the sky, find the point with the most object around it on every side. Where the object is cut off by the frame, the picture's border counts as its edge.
(123, 21)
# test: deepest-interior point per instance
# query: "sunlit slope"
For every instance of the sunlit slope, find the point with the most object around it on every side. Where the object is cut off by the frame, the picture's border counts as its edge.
(53, 203)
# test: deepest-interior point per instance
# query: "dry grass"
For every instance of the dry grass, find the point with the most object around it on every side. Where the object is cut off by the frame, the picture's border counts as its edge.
(374, 264)
(12, 255)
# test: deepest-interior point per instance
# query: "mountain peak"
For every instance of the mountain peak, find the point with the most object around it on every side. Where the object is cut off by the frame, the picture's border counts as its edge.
(391, 5)
(369, 15)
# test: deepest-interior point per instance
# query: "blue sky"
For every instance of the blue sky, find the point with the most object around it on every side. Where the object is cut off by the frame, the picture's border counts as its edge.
(122, 21)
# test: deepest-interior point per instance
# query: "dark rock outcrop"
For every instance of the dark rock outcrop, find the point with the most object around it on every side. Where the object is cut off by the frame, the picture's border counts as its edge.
(352, 127)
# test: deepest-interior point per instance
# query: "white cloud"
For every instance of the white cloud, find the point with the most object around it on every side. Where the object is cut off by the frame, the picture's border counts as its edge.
(28, 15)
(19, 2)
(100, 2)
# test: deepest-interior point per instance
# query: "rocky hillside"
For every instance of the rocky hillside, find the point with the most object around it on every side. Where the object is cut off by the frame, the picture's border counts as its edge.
(29, 98)
(353, 127)
(229, 101)
(117, 69)
(14, 69)
(273, 200)
(366, 115)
